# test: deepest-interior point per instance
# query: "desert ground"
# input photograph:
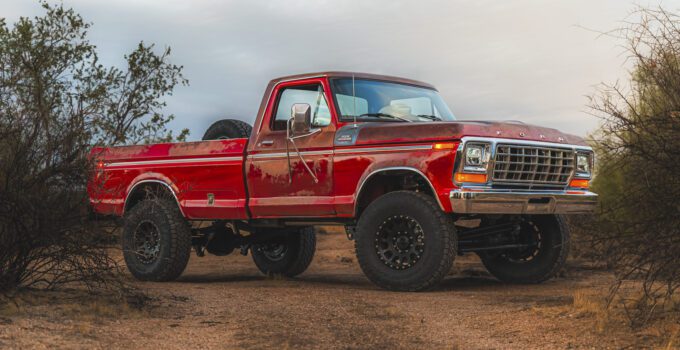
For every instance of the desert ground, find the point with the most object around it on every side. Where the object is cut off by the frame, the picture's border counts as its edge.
(224, 303)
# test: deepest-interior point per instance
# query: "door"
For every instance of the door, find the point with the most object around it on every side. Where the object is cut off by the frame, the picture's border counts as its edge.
(279, 184)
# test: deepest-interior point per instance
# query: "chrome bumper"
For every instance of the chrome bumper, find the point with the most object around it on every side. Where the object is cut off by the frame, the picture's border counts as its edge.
(491, 201)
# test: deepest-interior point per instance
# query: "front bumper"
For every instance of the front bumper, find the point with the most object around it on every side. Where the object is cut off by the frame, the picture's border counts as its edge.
(494, 201)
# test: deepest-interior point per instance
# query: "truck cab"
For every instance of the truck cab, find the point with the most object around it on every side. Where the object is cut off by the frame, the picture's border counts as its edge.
(382, 156)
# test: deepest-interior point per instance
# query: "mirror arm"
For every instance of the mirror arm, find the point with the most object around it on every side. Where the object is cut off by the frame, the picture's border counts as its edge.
(291, 139)
(305, 135)
(302, 159)
(290, 170)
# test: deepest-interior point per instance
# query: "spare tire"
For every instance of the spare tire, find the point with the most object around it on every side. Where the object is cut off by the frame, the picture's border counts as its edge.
(228, 129)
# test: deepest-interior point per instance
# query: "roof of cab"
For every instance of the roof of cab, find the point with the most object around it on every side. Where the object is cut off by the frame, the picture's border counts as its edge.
(357, 75)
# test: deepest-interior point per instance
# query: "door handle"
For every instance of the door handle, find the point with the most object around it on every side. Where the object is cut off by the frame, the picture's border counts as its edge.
(267, 143)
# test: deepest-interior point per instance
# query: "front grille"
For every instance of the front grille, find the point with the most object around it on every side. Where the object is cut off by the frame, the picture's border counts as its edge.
(536, 167)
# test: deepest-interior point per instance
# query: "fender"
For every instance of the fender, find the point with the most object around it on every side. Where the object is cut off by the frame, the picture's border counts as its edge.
(369, 173)
(141, 182)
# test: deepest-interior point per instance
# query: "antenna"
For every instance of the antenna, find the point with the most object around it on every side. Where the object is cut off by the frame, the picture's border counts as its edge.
(354, 100)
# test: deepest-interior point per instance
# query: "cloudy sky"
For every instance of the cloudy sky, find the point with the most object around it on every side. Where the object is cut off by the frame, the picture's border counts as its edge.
(534, 61)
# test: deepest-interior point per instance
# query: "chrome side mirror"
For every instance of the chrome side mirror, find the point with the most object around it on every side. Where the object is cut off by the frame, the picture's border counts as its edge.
(301, 114)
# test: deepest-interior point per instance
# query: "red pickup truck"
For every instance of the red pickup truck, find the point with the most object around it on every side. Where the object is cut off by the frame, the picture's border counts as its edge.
(383, 156)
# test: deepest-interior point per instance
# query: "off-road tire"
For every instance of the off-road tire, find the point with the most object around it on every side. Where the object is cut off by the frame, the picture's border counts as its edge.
(175, 240)
(228, 129)
(440, 241)
(547, 263)
(300, 247)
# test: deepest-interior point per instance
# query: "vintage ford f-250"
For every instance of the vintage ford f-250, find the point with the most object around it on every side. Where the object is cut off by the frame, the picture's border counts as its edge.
(382, 156)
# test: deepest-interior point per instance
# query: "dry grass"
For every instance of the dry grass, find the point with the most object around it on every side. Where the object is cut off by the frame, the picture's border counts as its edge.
(611, 318)
(94, 311)
(673, 340)
(72, 305)
(593, 305)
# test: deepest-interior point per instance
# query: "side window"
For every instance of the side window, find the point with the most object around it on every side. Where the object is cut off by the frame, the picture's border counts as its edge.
(310, 94)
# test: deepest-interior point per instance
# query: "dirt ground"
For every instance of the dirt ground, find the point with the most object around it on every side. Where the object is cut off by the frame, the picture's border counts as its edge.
(224, 303)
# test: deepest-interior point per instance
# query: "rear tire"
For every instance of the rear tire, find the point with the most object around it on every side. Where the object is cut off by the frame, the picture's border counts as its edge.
(405, 242)
(538, 264)
(288, 255)
(156, 241)
(228, 129)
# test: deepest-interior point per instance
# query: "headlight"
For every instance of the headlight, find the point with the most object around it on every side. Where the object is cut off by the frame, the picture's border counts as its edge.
(476, 157)
(584, 164)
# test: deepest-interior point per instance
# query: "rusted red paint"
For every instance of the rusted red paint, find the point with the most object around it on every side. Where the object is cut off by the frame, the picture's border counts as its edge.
(195, 169)
(185, 171)
(381, 133)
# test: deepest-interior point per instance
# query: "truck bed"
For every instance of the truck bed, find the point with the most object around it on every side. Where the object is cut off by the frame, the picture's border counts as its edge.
(217, 164)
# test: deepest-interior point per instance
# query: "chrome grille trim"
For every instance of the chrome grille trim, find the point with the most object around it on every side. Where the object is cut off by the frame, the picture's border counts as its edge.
(517, 164)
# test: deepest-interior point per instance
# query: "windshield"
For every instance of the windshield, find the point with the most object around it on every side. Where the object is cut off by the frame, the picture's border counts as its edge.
(387, 101)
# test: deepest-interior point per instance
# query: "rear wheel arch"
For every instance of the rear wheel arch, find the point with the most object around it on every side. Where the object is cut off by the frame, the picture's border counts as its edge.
(385, 180)
(149, 189)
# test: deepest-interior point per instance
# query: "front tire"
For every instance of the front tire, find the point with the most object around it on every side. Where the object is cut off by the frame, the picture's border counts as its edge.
(289, 255)
(405, 242)
(548, 240)
(156, 241)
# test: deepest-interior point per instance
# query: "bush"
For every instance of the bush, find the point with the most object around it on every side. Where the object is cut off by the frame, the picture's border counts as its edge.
(638, 148)
(56, 102)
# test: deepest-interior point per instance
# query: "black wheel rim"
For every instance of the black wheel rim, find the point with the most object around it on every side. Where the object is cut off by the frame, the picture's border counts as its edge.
(400, 242)
(147, 242)
(530, 235)
(274, 251)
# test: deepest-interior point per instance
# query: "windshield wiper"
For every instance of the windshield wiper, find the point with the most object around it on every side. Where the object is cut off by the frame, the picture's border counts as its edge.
(430, 117)
(383, 115)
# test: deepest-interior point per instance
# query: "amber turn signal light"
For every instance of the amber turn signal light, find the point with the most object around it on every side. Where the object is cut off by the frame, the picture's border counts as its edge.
(475, 178)
(446, 145)
(579, 183)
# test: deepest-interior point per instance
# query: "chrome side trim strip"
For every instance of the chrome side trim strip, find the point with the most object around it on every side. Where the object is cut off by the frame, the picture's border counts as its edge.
(383, 149)
(344, 151)
(284, 154)
(174, 195)
(174, 161)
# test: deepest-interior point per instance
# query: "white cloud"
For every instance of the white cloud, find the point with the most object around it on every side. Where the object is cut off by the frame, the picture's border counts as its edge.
(526, 60)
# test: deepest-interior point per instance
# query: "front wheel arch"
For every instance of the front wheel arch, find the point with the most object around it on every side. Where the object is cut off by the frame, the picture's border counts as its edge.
(385, 180)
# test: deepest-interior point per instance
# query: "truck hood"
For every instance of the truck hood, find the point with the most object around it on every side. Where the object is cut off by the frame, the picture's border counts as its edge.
(392, 132)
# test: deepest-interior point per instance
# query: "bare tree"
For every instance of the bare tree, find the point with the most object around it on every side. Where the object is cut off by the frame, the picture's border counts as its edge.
(56, 102)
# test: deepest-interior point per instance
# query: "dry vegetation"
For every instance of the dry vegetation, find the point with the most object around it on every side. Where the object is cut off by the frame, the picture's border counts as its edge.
(637, 231)
(56, 102)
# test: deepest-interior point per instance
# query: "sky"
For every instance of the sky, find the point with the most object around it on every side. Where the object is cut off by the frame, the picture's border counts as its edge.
(535, 61)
